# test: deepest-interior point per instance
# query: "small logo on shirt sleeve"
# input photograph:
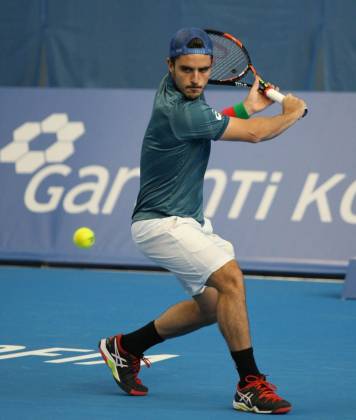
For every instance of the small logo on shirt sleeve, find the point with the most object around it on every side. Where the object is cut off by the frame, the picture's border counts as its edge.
(217, 114)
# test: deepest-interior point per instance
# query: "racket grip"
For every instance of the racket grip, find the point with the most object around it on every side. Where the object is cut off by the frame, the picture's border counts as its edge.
(278, 97)
(274, 95)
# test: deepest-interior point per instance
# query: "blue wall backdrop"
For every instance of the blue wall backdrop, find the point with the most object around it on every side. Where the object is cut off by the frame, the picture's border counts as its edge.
(302, 45)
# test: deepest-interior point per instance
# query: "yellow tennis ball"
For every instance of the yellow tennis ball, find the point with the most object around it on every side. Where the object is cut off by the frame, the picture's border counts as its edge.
(84, 237)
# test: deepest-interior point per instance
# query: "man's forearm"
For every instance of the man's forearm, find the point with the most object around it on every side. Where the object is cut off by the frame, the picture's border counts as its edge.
(258, 129)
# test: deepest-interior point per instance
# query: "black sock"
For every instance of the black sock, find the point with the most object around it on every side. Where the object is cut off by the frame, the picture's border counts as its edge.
(140, 340)
(245, 364)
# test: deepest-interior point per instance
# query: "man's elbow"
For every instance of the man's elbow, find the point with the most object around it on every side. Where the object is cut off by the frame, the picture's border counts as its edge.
(255, 136)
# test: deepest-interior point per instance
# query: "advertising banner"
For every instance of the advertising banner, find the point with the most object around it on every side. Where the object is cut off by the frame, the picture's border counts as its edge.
(70, 158)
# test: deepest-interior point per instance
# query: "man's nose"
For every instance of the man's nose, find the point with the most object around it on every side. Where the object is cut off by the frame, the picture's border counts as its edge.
(195, 77)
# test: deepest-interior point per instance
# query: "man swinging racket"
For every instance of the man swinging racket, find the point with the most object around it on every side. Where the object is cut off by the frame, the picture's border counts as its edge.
(169, 226)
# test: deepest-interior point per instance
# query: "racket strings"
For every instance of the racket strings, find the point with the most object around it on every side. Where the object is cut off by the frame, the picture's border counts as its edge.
(230, 61)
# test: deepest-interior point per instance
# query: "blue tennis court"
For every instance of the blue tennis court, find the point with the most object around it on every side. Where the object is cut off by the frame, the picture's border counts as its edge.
(51, 319)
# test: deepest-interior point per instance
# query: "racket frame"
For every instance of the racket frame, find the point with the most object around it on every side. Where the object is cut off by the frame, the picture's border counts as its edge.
(265, 88)
(236, 80)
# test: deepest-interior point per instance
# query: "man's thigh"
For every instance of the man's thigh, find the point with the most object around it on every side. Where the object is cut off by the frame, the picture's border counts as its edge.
(181, 245)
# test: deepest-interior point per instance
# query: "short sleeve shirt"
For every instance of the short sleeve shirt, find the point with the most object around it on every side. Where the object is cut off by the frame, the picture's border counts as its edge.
(175, 154)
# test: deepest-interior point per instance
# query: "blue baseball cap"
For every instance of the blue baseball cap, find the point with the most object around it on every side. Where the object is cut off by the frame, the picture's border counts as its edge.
(180, 40)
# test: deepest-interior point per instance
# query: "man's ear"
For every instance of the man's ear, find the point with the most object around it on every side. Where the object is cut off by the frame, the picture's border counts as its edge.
(170, 65)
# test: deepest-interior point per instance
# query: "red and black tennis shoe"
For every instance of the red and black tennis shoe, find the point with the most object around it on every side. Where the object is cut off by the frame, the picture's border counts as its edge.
(123, 365)
(258, 396)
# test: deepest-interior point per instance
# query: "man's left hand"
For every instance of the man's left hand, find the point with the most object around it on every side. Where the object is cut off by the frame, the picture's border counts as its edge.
(255, 101)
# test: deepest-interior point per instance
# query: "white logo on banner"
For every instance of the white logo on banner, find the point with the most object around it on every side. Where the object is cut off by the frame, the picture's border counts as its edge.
(28, 161)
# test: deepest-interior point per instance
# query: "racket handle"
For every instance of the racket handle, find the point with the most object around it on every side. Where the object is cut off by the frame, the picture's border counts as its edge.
(274, 95)
(278, 97)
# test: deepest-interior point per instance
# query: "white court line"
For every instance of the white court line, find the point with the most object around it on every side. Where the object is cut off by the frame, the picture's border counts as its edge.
(153, 359)
(74, 358)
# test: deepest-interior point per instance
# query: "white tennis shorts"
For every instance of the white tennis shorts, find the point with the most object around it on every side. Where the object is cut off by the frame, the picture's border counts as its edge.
(181, 245)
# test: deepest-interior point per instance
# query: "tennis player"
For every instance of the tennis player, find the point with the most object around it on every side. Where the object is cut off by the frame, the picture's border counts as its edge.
(169, 226)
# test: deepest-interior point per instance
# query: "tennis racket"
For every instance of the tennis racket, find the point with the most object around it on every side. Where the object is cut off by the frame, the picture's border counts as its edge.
(232, 63)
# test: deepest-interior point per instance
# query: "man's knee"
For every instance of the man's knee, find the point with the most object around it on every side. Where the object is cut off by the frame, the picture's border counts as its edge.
(227, 279)
(207, 303)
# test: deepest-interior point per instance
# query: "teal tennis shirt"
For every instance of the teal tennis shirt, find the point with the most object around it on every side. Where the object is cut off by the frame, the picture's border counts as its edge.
(175, 154)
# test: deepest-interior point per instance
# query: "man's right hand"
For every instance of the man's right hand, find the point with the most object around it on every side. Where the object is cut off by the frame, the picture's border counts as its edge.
(293, 105)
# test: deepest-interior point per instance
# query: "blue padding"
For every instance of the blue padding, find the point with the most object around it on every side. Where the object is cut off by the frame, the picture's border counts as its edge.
(21, 37)
(349, 291)
(301, 45)
(339, 45)
(296, 267)
(125, 44)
